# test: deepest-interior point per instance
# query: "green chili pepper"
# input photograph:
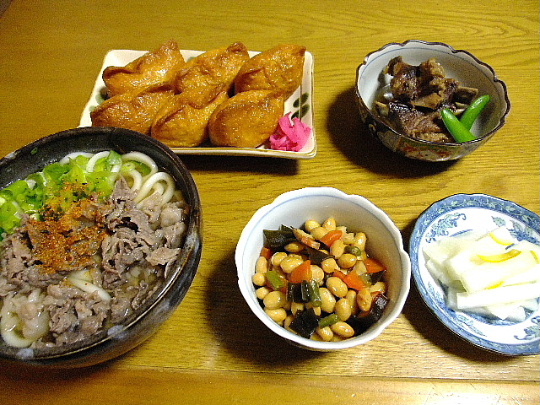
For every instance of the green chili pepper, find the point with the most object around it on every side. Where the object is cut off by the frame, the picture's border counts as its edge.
(458, 131)
(328, 320)
(275, 279)
(475, 109)
(310, 293)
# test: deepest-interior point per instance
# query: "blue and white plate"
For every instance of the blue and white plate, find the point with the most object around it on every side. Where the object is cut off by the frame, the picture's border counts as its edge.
(480, 212)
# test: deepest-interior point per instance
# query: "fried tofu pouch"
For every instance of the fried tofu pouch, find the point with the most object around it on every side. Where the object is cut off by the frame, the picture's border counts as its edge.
(183, 122)
(279, 69)
(134, 110)
(216, 68)
(247, 119)
(156, 67)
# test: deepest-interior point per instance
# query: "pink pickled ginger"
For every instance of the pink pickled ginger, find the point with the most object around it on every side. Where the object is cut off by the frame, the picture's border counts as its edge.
(291, 135)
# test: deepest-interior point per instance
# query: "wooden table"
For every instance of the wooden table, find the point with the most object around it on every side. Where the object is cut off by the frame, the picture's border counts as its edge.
(213, 350)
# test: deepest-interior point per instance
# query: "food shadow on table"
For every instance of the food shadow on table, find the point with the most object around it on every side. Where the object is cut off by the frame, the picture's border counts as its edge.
(243, 334)
(232, 164)
(354, 140)
(430, 328)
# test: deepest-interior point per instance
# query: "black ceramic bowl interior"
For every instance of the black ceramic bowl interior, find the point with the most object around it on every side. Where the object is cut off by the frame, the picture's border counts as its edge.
(146, 320)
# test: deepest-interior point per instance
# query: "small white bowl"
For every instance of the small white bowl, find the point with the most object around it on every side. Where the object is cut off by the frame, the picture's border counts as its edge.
(357, 213)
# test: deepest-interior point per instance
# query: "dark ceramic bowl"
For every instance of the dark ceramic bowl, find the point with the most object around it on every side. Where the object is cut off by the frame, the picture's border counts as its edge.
(460, 65)
(145, 321)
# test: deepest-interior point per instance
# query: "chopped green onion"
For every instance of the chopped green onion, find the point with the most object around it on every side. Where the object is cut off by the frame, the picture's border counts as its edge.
(275, 279)
(310, 293)
(58, 185)
(354, 250)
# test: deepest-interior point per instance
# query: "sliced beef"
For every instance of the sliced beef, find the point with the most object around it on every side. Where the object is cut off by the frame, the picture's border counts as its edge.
(74, 314)
(137, 246)
(424, 85)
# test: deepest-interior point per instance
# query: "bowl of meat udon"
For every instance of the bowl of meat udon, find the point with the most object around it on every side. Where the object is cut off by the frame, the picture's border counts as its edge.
(100, 240)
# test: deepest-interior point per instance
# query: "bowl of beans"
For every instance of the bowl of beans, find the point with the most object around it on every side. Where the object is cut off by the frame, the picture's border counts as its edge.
(323, 269)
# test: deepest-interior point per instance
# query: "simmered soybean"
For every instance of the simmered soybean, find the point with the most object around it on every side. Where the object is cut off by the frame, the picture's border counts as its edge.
(321, 300)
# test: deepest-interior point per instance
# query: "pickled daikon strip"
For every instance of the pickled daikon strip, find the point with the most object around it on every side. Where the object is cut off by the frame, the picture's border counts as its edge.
(490, 273)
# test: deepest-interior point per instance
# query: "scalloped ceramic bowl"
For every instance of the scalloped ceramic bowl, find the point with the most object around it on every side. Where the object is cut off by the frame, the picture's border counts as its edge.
(458, 64)
(357, 213)
(147, 319)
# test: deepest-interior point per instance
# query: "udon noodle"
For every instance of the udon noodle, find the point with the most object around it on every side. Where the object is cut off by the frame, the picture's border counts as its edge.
(90, 251)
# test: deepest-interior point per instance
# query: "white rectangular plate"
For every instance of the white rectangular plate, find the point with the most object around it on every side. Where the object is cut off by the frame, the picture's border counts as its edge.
(301, 99)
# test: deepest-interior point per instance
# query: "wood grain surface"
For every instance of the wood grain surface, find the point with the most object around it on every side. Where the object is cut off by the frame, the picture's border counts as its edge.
(213, 349)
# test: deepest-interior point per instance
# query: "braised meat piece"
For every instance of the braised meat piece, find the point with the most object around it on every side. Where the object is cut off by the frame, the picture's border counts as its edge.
(418, 124)
(424, 85)
(418, 94)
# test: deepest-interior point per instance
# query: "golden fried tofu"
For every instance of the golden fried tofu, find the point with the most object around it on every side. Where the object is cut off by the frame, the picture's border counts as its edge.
(247, 119)
(216, 68)
(133, 110)
(183, 121)
(159, 66)
(279, 69)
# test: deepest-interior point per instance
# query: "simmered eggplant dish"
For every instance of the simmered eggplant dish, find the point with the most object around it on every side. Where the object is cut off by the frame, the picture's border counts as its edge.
(413, 101)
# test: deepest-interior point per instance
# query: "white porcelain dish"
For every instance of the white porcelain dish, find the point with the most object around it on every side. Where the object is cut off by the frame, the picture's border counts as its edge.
(357, 213)
(300, 101)
(483, 213)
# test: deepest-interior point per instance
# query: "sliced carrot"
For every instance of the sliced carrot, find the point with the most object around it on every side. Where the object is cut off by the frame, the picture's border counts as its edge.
(331, 237)
(301, 273)
(373, 265)
(355, 281)
(267, 253)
